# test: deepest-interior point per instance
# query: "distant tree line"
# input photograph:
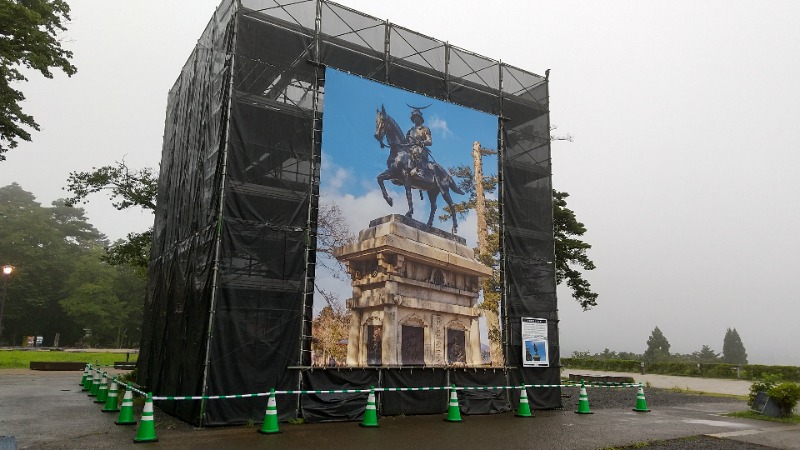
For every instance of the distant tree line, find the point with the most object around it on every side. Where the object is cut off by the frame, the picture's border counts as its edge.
(62, 281)
(733, 351)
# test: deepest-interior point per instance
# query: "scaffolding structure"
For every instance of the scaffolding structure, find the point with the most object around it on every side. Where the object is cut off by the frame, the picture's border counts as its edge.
(230, 290)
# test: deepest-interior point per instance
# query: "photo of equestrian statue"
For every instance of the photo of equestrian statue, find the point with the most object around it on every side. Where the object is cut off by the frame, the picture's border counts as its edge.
(407, 270)
(410, 163)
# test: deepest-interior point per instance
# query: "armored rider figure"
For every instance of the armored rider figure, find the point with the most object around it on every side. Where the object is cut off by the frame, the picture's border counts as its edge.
(419, 138)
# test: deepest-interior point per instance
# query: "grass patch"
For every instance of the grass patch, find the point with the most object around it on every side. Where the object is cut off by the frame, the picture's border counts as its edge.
(688, 391)
(750, 414)
(21, 359)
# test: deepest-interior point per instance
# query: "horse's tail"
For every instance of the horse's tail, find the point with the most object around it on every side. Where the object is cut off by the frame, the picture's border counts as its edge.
(454, 187)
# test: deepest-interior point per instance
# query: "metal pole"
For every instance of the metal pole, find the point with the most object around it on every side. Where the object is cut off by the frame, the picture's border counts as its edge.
(215, 276)
(3, 304)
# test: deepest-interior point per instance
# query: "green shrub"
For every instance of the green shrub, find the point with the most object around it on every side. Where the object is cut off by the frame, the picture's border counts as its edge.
(129, 377)
(720, 370)
(786, 396)
(614, 365)
(763, 384)
(687, 368)
(787, 373)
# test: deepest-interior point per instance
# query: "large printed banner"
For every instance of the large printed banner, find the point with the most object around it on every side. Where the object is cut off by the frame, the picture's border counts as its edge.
(375, 140)
(353, 157)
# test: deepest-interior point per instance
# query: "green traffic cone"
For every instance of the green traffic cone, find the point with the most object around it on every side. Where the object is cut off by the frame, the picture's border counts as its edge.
(371, 413)
(95, 387)
(641, 403)
(126, 412)
(102, 390)
(85, 374)
(583, 402)
(147, 428)
(87, 382)
(270, 425)
(453, 411)
(112, 400)
(524, 409)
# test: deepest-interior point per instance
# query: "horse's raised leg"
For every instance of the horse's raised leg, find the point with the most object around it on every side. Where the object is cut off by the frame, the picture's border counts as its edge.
(432, 196)
(409, 197)
(381, 178)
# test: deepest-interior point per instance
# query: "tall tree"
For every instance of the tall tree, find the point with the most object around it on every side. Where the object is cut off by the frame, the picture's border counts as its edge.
(73, 224)
(127, 188)
(657, 347)
(733, 351)
(28, 40)
(106, 299)
(705, 355)
(571, 252)
(30, 242)
(488, 247)
(45, 245)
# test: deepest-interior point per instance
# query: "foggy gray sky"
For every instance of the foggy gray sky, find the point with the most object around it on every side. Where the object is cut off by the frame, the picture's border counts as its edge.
(684, 165)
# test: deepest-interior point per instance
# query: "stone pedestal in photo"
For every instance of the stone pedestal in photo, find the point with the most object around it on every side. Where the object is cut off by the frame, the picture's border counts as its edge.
(415, 290)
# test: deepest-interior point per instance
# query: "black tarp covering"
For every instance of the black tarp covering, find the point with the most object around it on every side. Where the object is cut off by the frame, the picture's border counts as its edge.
(232, 266)
(260, 317)
(490, 401)
(336, 407)
(529, 257)
(341, 407)
(413, 402)
(180, 278)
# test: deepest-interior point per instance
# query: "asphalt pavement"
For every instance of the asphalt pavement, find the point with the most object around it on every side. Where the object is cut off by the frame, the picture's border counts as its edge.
(47, 410)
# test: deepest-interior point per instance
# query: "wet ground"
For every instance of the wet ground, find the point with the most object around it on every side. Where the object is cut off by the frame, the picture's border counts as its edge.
(47, 410)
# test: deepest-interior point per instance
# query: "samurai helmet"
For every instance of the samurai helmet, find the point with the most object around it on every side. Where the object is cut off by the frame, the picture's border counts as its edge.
(416, 111)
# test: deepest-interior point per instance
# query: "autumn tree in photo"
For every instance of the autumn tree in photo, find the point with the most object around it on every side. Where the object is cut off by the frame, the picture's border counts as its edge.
(329, 330)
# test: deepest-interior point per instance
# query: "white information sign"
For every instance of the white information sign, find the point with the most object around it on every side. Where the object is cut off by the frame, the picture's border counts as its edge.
(534, 343)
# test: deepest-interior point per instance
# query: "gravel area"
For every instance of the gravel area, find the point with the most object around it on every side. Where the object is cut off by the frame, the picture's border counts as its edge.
(603, 397)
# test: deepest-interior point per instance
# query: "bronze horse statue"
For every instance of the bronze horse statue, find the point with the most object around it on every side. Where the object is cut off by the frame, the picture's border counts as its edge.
(434, 180)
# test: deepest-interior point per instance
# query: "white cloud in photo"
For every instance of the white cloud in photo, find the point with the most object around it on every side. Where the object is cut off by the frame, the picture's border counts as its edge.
(437, 124)
(333, 176)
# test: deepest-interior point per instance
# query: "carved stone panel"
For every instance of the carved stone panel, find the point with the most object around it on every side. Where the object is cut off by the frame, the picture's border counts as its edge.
(438, 339)
(456, 348)
(374, 345)
(413, 345)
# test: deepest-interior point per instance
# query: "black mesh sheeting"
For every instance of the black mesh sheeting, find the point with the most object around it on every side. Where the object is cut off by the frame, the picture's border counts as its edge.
(413, 402)
(260, 316)
(481, 401)
(180, 279)
(256, 325)
(336, 407)
(528, 233)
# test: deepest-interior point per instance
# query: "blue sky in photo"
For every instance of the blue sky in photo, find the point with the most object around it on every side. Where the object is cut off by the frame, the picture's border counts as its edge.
(348, 142)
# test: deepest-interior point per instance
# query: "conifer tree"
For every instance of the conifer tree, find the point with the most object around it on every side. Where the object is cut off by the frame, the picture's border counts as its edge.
(657, 347)
(733, 351)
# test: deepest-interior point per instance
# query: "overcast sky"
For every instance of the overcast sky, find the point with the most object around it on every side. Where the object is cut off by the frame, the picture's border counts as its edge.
(683, 168)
